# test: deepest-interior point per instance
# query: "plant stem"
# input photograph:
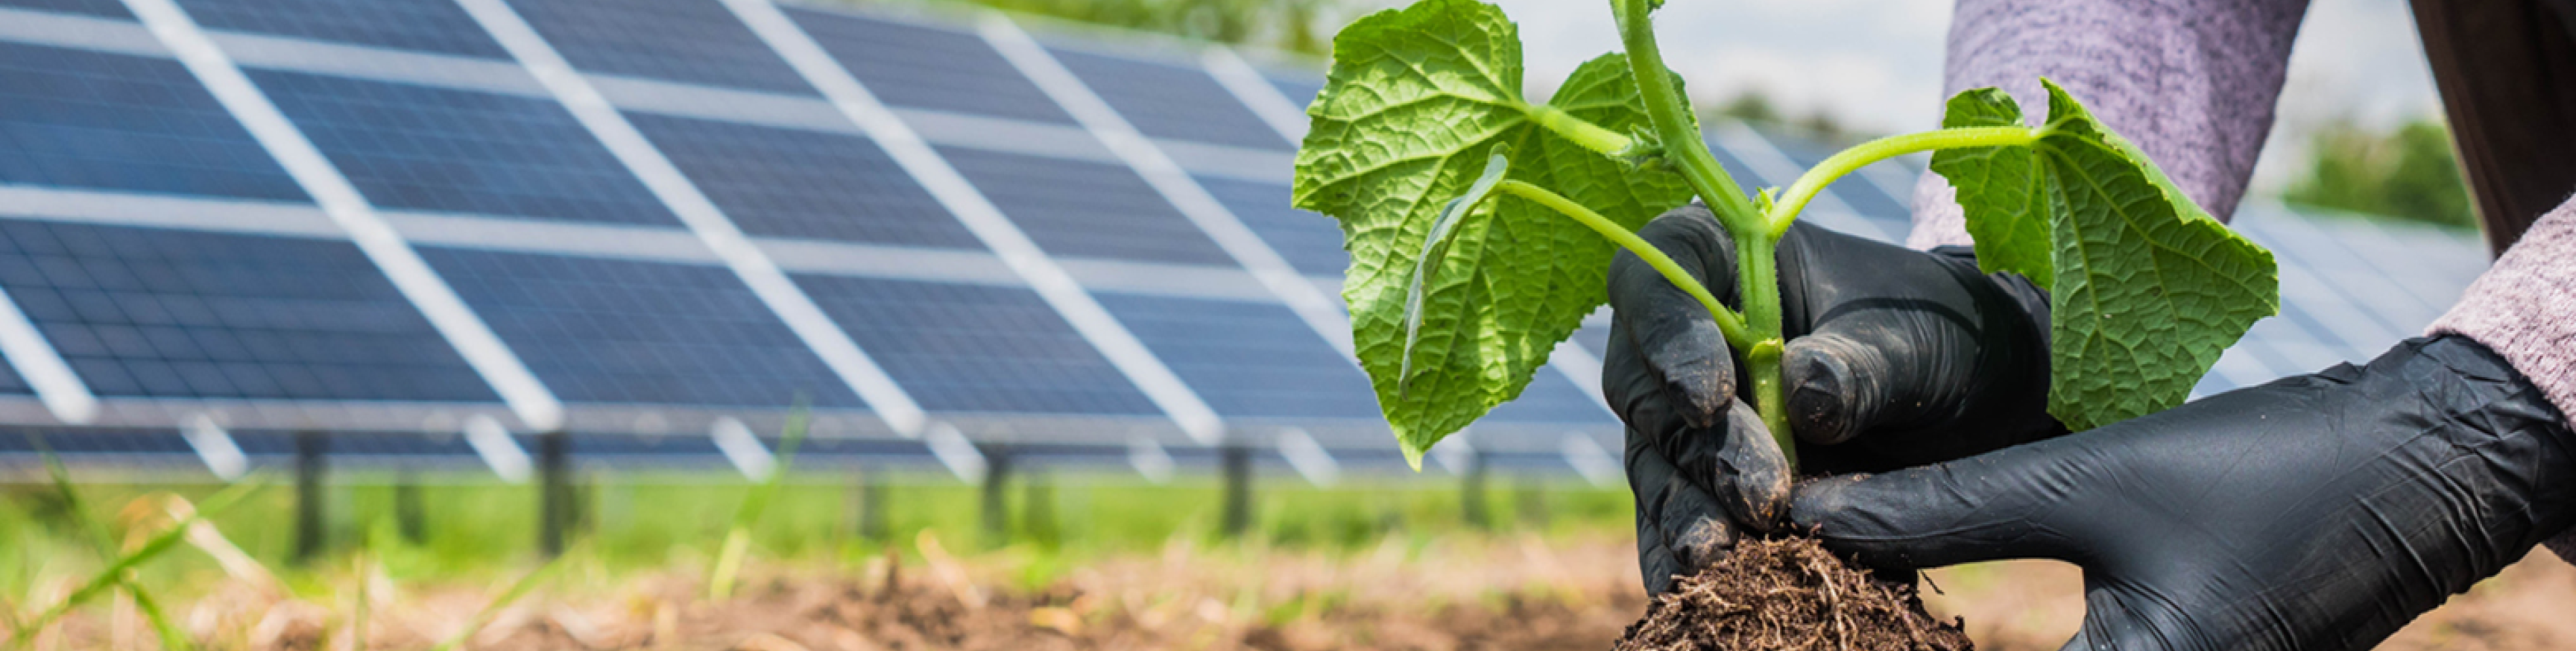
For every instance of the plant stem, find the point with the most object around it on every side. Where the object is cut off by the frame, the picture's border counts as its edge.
(1757, 269)
(1728, 321)
(1590, 136)
(1824, 173)
(1672, 117)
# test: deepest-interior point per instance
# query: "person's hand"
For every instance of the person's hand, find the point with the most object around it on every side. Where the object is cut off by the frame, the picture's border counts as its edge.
(1897, 357)
(2316, 512)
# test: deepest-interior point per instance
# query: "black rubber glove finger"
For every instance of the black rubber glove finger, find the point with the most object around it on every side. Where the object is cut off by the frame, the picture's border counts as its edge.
(1679, 344)
(1995, 506)
(1680, 526)
(1740, 464)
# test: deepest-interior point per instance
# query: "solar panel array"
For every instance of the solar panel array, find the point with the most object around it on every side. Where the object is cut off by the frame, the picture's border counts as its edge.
(633, 220)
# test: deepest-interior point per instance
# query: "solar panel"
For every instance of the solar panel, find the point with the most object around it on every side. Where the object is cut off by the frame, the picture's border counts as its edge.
(95, 442)
(438, 26)
(1551, 398)
(1248, 359)
(410, 146)
(1168, 100)
(803, 184)
(928, 67)
(620, 331)
(971, 348)
(1312, 243)
(695, 41)
(101, 8)
(174, 314)
(81, 119)
(1086, 209)
(1299, 89)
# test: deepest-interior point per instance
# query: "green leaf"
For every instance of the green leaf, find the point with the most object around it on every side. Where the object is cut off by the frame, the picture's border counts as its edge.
(1418, 100)
(2145, 288)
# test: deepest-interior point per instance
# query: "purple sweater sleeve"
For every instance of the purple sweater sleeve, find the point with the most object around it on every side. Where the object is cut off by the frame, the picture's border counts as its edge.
(2193, 82)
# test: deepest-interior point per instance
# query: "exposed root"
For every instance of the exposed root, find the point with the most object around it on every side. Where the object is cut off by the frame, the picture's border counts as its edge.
(1789, 594)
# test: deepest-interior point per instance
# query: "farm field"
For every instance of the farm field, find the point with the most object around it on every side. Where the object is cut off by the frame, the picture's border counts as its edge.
(1103, 565)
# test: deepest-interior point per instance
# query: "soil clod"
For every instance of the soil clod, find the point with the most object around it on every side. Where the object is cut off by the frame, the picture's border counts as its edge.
(1789, 594)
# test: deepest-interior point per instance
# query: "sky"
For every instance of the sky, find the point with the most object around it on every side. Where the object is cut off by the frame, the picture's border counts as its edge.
(1875, 65)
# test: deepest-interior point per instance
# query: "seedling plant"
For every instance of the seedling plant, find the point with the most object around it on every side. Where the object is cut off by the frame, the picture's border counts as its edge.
(1481, 224)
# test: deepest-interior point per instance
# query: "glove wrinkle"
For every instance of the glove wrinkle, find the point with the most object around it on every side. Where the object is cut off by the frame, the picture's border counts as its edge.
(2316, 512)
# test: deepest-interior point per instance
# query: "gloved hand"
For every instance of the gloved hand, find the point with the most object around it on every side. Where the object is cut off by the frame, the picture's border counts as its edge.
(2316, 512)
(1897, 357)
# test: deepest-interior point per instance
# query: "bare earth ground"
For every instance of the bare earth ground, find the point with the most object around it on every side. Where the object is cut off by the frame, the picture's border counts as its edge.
(1499, 592)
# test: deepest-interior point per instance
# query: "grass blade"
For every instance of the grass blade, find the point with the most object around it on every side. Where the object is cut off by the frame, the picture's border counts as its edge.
(518, 589)
(104, 542)
(115, 572)
(737, 542)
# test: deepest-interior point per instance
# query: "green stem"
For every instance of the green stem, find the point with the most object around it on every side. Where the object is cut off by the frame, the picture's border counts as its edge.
(1672, 118)
(1785, 210)
(1590, 136)
(1757, 268)
(1728, 321)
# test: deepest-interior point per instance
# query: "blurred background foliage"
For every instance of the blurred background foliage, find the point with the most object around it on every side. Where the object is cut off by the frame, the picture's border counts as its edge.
(2408, 173)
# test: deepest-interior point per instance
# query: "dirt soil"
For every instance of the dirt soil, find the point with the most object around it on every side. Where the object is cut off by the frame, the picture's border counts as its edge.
(1444, 594)
(1789, 594)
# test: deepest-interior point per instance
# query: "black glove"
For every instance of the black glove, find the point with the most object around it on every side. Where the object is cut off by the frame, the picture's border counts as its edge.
(2316, 512)
(1898, 357)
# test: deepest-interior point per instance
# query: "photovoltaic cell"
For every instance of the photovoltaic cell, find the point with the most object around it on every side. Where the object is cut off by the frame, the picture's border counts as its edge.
(1311, 242)
(1300, 89)
(1085, 209)
(75, 118)
(439, 26)
(102, 8)
(1594, 339)
(359, 443)
(616, 331)
(1551, 398)
(1735, 167)
(418, 147)
(693, 41)
(802, 184)
(1165, 100)
(920, 66)
(87, 442)
(972, 348)
(1247, 359)
(190, 314)
(1864, 196)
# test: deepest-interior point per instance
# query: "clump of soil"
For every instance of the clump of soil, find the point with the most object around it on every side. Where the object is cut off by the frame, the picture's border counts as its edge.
(1789, 594)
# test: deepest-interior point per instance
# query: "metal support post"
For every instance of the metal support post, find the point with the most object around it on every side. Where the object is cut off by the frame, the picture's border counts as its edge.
(310, 447)
(1238, 488)
(554, 492)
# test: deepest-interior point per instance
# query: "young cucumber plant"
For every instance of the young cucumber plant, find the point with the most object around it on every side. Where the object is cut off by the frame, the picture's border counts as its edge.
(1481, 226)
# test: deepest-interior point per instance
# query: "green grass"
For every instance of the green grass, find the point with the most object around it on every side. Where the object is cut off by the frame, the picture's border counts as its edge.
(484, 531)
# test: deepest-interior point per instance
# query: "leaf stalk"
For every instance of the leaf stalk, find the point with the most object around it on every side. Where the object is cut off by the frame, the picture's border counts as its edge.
(1809, 184)
(1728, 321)
(1590, 136)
